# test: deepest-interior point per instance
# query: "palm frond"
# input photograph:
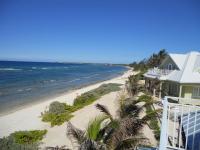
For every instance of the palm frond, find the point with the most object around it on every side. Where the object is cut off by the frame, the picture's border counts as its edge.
(130, 142)
(77, 134)
(109, 129)
(91, 145)
(94, 127)
(130, 107)
(56, 148)
(105, 110)
(129, 126)
(151, 115)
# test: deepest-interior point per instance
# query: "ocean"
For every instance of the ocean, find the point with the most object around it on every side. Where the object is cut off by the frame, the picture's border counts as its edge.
(23, 83)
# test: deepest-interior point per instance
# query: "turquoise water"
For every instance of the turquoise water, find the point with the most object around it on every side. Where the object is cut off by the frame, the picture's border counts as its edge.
(22, 83)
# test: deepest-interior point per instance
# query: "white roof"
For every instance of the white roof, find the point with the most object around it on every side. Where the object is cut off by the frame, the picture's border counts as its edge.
(179, 59)
(189, 73)
(189, 65)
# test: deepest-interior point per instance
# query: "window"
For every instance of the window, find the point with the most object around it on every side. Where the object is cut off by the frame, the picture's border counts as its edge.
(196, 92)
(170, 66)
(173, 89)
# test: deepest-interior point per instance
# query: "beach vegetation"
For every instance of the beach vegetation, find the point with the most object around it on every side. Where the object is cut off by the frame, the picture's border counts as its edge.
(58, 113)
(56, 119)
(28, 140)
(57, 107)
(135, 111)
(113, 133)
(28, 137)
(91, 96)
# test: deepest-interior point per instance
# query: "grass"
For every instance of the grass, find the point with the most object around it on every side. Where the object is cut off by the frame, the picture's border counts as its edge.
(59, 113)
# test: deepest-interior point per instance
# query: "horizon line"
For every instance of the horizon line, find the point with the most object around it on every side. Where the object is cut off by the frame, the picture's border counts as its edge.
(74, 62)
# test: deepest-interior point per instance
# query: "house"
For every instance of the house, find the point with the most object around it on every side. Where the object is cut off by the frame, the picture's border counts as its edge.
(178, 75)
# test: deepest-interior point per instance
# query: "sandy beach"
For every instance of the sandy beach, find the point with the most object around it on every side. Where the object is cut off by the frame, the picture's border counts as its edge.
(29, 118)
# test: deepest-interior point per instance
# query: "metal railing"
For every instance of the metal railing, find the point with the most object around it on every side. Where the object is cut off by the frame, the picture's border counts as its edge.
(158, 72)
(180, 128)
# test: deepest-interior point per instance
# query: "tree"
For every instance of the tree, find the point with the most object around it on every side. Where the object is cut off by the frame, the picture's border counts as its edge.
(115, 134)
(153, 61)
(89, 139)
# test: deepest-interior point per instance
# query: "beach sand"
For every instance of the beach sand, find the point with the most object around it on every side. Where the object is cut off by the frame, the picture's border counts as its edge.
(29, 118)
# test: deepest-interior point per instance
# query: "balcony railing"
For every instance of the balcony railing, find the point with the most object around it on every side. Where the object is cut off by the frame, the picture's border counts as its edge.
(180, 129)
(158, 72)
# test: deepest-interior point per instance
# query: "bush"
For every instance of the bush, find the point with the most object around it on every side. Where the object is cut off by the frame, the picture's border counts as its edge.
(8, 143)
(56, 119)
(57, 107)
(85, 99)
(27, 140)
(58, 112)
(89, 97)
(28, 137)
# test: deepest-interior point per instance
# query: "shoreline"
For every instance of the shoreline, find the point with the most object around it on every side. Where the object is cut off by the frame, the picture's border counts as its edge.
(45, 99)
(28, 118)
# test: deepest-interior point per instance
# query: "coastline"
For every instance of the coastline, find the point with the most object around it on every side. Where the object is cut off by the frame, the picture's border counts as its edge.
(47, 98)
(28, 118)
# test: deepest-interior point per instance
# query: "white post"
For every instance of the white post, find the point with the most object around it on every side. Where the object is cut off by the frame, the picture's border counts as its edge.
(164, 130)
(180, 91)
(154, 92)
(160, 96)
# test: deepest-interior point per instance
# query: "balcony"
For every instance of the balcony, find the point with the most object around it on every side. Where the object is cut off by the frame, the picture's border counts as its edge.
(180, 129)
(156, 72)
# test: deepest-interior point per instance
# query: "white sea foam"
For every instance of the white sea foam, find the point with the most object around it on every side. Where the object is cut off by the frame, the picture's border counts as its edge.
(20, 90)
(28, 89)
(74, 80)
(91, 76)
(9, 69)
(44, 68)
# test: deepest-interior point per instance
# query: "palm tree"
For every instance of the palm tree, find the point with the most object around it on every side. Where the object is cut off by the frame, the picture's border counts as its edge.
(126, 134)
(132, 85)
(89, 139)
(156, 59)
(106, 132)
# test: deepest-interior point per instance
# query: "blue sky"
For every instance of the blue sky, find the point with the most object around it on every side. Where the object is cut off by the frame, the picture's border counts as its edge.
(115, 31)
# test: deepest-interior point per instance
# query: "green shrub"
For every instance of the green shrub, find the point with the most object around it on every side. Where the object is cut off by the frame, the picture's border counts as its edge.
(8, 143)
(89, 97)
(28, 137)
(57, 107)
(58, 112)
(26, 140)
(56, 119)
(85, 99)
